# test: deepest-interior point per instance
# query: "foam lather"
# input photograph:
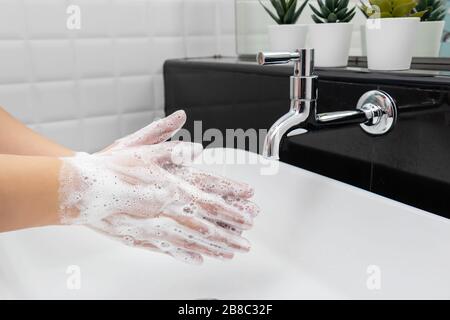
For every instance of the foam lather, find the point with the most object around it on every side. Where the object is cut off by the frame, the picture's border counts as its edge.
(149, 196)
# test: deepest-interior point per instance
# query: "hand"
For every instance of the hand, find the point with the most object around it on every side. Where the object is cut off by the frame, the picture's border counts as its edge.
(150, 197)
(156, 132)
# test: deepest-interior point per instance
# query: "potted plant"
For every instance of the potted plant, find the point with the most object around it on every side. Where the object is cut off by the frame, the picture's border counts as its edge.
(331, 34)
(431, 26)
(391, 30)
(286, 35)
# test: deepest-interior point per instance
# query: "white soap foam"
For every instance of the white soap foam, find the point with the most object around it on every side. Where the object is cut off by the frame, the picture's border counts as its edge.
(139, 197)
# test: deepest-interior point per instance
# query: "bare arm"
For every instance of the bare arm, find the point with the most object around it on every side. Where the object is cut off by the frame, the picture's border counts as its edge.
(30, 164)
(16, 138)
(136, 191)
(28, 191)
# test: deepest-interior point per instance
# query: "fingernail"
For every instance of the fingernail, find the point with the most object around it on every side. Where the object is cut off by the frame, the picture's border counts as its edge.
(241, 244)
(254, 209)
(180, 114)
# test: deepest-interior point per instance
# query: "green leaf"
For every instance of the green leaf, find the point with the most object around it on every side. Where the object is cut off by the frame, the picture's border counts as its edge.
(316, 20)
(300, 10)
(383, 5)
(316, 12)
(342, 4)
(385, 15)
(352, 10)
(289, 15)
(332, 18)
(437, 15)
(418, 14)
(404, 9)
(278, 8)
(363, 10)
(274, 17)
(323, 8)
(291, 2)
(341, 13)
(348, 18)
(330, 4)
(283, 4)
(396, 3)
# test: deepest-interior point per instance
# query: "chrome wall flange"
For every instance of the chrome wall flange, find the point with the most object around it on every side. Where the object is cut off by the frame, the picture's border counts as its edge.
(381, 111)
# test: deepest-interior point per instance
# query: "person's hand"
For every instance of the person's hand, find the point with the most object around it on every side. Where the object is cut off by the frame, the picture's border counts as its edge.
(150, 197)
(156, 132)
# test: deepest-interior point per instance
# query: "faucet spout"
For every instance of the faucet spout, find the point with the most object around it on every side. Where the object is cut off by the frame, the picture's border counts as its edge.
(376, 111)
(287, 123)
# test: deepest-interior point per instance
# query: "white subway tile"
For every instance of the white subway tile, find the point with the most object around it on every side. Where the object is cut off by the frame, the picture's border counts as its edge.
(100, 132)
(165, 48)
(158, 90)
(46, 18)
(12, 20)
(52, 60)
(227, 45)
(13, 62)
(66, 133)
(55, 101)
(16, 99)
(200, 17)
(130, 18)
(132, 122)
(96, 18)
(135, 94)
(94, 57)
(87, 87)
(133, 56)
(226, 12)
(166, 18)
(98, 97)
(202, 46)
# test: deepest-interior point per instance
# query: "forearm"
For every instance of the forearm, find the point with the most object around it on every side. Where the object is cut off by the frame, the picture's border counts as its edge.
(28, 192)
(16, 138)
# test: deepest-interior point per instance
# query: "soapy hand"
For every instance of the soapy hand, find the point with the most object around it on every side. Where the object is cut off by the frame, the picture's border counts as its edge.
(149, 196)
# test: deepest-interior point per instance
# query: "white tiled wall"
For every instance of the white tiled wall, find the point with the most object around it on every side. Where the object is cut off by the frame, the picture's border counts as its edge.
(84, 88)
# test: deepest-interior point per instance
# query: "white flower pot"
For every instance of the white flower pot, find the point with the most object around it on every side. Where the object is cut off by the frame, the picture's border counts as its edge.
(331, 43)
(390, 42)
(287, 37)
(428, 39)
(362, 31)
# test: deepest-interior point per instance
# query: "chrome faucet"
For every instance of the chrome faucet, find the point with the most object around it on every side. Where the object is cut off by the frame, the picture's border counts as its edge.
(376, 111)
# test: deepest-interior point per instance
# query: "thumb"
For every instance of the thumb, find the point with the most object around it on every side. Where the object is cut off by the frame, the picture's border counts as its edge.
(155, 132)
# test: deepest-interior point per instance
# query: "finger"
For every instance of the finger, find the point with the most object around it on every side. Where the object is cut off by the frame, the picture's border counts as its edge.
(221, 211)
(167, 153)
(188, 238)
(208, 205)
(226, 227)
(201, 249)
(155, 245)
(178, 253)
(213, 183)
(244, 205)
(214, 232)
(196, 203)
(167, 234)
(156, 132)
(215, 207)
(108, 227)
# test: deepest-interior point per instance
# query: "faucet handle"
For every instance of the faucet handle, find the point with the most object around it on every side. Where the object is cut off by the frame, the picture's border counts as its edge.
(265, 58)
(303, 58)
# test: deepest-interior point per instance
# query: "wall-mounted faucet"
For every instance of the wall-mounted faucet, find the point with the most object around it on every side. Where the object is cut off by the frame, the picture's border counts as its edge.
(376, 111)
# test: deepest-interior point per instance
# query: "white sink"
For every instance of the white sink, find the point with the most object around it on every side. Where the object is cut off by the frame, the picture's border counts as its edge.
(315, 238)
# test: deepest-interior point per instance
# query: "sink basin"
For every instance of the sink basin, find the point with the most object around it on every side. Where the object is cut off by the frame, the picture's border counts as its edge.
(315, 238)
